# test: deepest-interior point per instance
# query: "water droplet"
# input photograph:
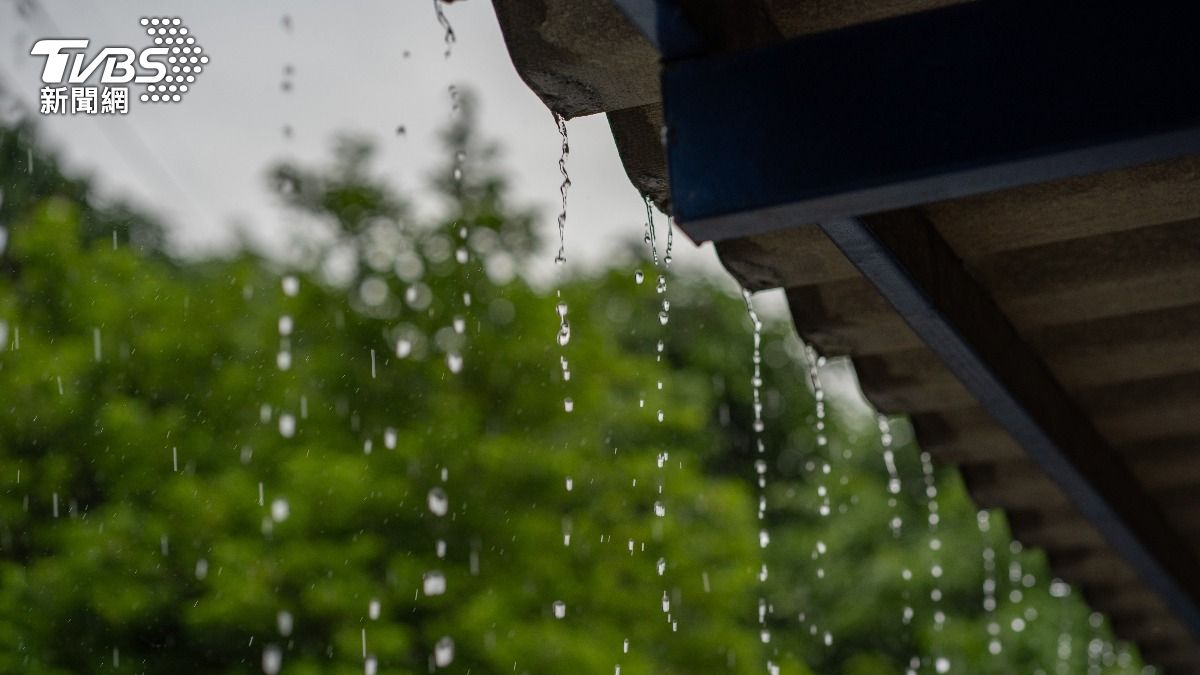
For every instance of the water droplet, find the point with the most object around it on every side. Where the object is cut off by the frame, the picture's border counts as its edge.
(291, 286)
(439, 503)
(570, 483)
(942, 664)
(285, 325)
(560, 609)
(460, 325)
(454, 362)
(283, 360)
(660, 509)
(638, 277)
(434, 583)
(373, 609)
(443, 652)
(764, 538)
(568, 404)
(284, 621)
(272, 660)
(280, 510)
(201, 569)
(666, 602)
(403, 348)
(389, 438)
(287, 425)
(661, 566)
(564, 333)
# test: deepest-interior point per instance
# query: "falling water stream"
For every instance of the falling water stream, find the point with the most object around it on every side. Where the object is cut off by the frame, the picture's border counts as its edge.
(449, 37)
(941, 663)
(989, 584)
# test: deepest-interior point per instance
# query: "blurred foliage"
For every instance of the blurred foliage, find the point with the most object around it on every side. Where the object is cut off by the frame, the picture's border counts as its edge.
(159, 514)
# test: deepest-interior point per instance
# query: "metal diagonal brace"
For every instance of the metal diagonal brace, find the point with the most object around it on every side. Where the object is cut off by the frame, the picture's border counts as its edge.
(918, 273)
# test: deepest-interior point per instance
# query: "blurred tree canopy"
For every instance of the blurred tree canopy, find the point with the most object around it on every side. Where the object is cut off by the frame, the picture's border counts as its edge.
(231, 464)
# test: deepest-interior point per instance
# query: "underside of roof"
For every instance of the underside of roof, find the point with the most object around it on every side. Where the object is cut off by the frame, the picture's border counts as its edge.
(1096, 276)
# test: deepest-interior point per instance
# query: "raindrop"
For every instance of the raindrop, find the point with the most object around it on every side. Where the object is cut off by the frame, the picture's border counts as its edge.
(287, 425)
(403, 348)
(454, 362)
(389, 438)
(373, 609)
(291, 286)
(942, 664)
(443, 652)
(660, 510)
(434, 583)
(568, 404)
(560, 609)
(438, 503)
(638, 277)
(666, 603)
(272, 660)
(280, 510)
(284, 621)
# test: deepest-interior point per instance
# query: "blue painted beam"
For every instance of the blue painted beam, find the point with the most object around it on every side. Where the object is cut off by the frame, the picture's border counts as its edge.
(664, 25)
(941, 104)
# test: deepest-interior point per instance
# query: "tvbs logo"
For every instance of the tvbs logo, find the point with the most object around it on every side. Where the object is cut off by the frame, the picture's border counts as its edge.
(168, 69)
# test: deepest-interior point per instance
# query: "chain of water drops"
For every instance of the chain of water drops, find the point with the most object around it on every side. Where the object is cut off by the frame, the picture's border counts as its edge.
(565, 152)
(449, 38)
(660, 509)
(889, 461)
(989, 583)
(760, 470)
(825, 506)
(560, 307)
(941, 663)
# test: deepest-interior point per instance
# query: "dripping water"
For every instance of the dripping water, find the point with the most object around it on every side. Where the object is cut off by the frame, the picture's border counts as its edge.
(760, 464)
(935, 546)
(989, 584)
(561, 123)
(449, 37)
(889, 461)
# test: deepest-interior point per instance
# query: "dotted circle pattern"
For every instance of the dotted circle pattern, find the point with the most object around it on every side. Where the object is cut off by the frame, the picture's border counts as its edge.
(185, 59)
